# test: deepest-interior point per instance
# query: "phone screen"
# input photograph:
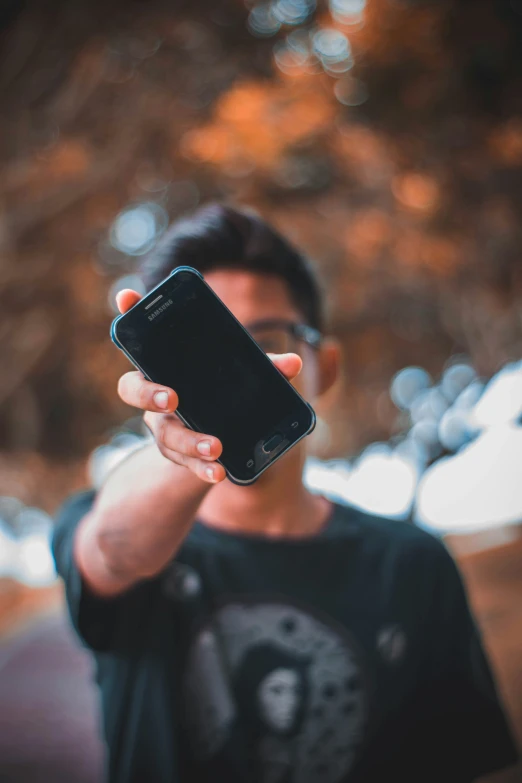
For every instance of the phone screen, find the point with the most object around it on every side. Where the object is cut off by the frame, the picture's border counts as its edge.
(226, 385)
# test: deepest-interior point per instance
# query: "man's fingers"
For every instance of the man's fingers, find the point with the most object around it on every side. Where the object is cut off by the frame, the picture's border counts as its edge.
(172, 435)
(135, 390)
(127, 298)
(289, 364)
(169, 429)
(211, 472)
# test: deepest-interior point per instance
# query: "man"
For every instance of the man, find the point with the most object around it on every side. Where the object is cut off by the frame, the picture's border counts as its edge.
(262, 633)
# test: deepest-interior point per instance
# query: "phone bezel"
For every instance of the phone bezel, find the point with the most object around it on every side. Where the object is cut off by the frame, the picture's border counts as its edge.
(143, 301)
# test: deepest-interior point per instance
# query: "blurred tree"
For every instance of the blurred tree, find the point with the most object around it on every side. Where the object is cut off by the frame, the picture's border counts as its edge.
(386, 141)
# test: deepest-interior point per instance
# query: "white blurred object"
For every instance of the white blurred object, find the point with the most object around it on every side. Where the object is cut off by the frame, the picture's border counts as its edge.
(105, 458)
(8, 551)
(382, 481)
(327, 478)
(34, 561)
(25, 545)
(478, 488)
(501, 401)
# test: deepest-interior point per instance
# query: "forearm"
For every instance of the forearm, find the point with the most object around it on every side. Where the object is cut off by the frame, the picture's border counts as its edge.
(141, 515)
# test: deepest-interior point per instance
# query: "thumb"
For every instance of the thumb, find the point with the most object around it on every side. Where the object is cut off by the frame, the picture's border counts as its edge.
(289, 364)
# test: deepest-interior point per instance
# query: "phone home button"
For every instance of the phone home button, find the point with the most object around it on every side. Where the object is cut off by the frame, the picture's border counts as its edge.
(272, 442)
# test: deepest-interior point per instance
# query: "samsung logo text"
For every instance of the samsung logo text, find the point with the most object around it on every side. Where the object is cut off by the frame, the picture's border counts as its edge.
(159, 310)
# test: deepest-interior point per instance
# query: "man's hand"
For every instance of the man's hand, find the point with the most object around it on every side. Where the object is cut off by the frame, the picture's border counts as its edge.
(113, 547)
(195, 451)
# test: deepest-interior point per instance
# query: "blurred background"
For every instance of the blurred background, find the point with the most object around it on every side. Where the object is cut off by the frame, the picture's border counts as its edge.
(382, 136)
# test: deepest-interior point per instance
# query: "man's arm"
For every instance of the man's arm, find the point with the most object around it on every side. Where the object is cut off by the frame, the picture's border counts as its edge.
(139, 519)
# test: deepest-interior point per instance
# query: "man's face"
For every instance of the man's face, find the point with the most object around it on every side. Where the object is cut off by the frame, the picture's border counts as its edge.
(258, 297)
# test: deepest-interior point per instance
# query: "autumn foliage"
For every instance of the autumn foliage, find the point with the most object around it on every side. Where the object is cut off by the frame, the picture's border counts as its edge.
(408, 198)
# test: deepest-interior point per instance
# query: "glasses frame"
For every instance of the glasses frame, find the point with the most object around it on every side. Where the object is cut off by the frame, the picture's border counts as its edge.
(299, 331)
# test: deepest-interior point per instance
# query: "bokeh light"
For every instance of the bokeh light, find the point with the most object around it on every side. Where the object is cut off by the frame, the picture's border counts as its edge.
(429, 404)
(262, 22)
(351, 91)
(136, 229)
(469, 396)
(293, 12)
(455, 379)
(333, 49)
(417, 191)
(425, 433)
(407, 385)
(290, 59)
(454, 430)
(348, 12)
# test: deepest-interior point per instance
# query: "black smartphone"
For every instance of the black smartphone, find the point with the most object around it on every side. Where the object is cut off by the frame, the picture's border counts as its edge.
(181, 335)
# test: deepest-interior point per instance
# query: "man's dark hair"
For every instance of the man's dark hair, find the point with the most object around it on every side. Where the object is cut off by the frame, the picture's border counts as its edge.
(223, 237)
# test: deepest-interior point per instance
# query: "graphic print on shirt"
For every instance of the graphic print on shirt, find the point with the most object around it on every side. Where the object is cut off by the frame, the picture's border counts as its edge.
(284, 684)
(181, 582)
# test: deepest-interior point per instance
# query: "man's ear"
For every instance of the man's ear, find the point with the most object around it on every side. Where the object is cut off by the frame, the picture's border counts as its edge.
(329, 363)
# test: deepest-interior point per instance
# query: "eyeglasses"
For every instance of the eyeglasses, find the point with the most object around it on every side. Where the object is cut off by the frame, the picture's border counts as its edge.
(279, 336)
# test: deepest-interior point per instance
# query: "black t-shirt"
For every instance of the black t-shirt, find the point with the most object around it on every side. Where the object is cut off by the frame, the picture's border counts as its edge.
(347, 657)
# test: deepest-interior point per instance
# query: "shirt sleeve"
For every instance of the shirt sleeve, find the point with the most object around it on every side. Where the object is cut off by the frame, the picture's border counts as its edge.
(466, 715)
(102, 623)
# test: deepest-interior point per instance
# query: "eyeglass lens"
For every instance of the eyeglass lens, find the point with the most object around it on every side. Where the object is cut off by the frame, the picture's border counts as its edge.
(275, 340)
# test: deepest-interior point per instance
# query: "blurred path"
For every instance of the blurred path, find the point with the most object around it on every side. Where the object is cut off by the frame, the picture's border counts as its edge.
(48, 717)
(494, 581)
